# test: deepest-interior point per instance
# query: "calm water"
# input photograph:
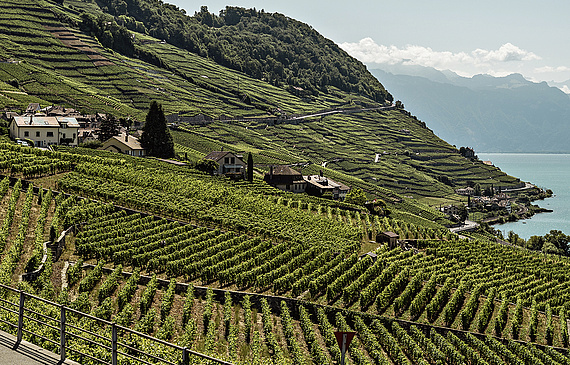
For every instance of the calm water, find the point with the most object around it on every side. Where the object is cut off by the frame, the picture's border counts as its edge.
(549, 171)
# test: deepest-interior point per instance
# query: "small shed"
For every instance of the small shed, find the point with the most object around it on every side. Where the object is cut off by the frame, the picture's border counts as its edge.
(390, 238)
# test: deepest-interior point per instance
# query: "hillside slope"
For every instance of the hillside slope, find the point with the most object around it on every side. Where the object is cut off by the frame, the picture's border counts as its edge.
(56, 63)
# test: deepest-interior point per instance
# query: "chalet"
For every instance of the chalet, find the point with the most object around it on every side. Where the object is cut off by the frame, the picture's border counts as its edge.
(45, 131)
(230, 164)
(319, 184)
(285, 178)
(124, 143)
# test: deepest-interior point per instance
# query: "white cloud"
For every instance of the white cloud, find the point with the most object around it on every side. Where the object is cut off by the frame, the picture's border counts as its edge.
(550, 69)
(506, 53)
(566, 89)
(503, 61)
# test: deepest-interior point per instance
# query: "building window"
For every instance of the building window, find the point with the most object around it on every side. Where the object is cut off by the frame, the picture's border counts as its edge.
(233, 160)
(37, 134)
(26, 134)
(64, 126)
(49, 134)
(226, 160)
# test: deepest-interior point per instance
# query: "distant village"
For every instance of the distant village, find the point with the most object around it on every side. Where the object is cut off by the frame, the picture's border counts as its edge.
(491, 200)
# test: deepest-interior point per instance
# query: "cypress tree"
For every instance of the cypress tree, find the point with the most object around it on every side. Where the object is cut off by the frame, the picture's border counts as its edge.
(156, 137)
(249, 167)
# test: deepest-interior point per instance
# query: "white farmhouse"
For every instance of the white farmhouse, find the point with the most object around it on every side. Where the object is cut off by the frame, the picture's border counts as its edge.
(45, 131)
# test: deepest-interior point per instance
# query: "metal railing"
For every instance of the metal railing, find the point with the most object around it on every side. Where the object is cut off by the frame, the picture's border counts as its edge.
(113, 344)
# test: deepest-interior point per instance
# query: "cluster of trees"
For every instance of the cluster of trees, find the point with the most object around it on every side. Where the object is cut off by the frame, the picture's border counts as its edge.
(109, 33)
(269, 46)
(555, 242)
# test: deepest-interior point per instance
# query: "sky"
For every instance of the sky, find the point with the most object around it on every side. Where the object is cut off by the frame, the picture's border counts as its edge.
(495, 37)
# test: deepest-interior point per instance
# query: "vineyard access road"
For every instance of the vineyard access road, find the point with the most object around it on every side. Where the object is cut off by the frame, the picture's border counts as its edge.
(466, 226)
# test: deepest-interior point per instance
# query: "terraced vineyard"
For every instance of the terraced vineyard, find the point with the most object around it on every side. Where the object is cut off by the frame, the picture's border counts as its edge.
(406, 306)
(50, 60)
(348, 146)
(240, 270)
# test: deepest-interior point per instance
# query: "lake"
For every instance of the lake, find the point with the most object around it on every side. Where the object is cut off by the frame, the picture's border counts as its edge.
(549, 171)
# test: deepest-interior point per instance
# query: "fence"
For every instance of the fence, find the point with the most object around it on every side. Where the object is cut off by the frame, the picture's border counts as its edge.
(113, 345)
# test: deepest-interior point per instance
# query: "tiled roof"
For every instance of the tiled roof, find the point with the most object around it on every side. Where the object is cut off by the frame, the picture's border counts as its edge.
(132, 142)
(35, 121)
(285, 170)
(216, 155)
(32, 121)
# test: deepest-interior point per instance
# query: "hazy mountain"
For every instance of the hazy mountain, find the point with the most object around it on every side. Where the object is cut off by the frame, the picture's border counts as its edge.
(564, 86)
(491, 114)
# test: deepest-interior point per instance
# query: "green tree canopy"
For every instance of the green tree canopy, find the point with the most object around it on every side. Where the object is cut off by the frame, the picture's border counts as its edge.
(269, 46)
(356, 196)
(108, 128)
(558, 239)
(208, 166)
(156, 138)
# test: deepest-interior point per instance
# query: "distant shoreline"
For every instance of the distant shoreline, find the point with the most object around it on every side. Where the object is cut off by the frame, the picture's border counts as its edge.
(525, 153)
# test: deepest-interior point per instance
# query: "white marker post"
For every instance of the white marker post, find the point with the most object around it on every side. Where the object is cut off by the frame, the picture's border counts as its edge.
(344, 339)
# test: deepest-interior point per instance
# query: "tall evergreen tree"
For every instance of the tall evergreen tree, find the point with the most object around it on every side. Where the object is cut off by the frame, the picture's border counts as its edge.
(156, 137)
(249, 167)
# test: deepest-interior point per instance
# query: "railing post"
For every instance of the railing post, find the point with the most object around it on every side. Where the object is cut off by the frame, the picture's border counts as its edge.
(185, 359)
(62, 334)
(20, 317)
(114, 344)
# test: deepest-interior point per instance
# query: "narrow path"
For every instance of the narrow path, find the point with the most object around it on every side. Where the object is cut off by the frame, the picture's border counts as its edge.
(26, 353)
(343, 111)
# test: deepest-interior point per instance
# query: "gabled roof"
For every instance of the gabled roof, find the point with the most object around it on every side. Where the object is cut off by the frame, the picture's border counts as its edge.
(285, 170)
(131, 142)
(36, 121)
(33, 107)
(218, 155)
(32, 121)
(391, 234)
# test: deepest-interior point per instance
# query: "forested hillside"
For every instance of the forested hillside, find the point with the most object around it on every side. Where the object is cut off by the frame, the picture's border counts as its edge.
(266, 46)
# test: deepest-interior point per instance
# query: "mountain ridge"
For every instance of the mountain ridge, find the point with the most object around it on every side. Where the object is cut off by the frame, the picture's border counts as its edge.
(478, 111)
